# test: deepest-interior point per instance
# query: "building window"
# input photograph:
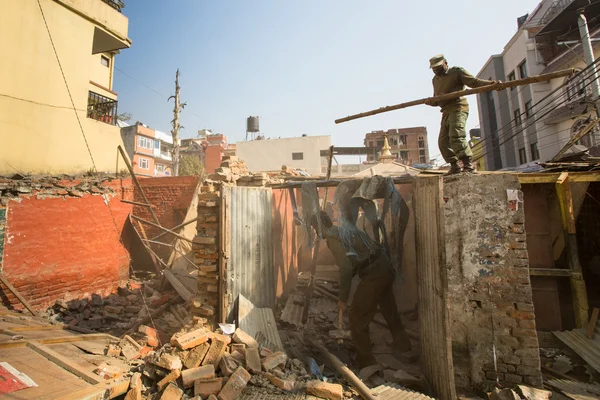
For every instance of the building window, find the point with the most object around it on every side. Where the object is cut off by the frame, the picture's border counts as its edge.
(517, 114)
(421, 142)
(145, 143)
(422, 152)
(404, 155)
(105, 61)
(380, 143)
(160, 168)
(297, 156)
(523, 70)
(512, 77)
(156, 144)
(422, 160)
(535, 153)
(144, 164)
(522, 156)
(528, 109)
(102, 108)
(575, 88)
(403, 139)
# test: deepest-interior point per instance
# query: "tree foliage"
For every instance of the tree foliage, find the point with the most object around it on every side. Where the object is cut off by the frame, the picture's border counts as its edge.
(190, 164)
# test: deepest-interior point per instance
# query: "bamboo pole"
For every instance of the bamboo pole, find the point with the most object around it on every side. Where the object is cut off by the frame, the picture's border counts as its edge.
(176, 227)
(137, 183)
(454, 95)
(161, 228)
(17, 294)
(135, 203)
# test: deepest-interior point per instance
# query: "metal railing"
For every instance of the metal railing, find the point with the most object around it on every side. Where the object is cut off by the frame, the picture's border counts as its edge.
(555, 9)
(116, 4)
(102, 108)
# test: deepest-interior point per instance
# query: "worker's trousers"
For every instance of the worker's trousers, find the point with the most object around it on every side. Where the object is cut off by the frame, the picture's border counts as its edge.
(371, 293)
(453, 136)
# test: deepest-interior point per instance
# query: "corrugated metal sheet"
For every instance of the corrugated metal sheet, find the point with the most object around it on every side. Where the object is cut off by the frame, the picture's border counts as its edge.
(392, 391)
(436, 354)
(292, 313)
(250, 267)
(259, 323)
(263, 394)
(588, 349)
(576, 390)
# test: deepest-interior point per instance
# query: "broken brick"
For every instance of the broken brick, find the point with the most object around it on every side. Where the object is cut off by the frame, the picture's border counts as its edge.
(239, 336)
(239, 358)
(113, 350)
(196, 355)
(222, 338)
(234, 386)
(146, 330)
(330, 391)
(274, 360)
(172, 392)
(215, 352)
(191, 339)
(129, 347)
(227, 365)
(253, 360)
(171, 377)
(113, 309)
(281, 383)
(168, 361)
(207, 387)
(107, 371)
(189, 376)
(265, 352)
(238, 347)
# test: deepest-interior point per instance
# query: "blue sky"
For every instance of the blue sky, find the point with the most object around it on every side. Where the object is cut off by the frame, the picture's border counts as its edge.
(300, 65)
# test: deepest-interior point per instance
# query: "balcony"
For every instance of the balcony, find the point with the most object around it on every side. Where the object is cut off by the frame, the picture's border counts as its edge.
(102, 108)
(116, 4)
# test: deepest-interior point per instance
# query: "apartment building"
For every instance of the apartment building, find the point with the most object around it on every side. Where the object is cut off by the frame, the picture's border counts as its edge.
(57, 128)
(149, 150)
(518, 126)
(409, 145)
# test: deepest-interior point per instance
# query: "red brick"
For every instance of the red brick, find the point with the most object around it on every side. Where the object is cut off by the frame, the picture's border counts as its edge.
(215, 352)
(227, 365)
(172, 392)
(190, 339)
(207, 387)
(196, 355)
(274, 360)
(281, 383)
(239, 336)
(235, 384)
(324, 390)
(253, 360)
(171, 377)
(189, 376)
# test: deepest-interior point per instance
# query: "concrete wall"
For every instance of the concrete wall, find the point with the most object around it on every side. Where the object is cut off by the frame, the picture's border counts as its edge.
(488, 280)
(270, 155)
(36, 115)
(61, 241)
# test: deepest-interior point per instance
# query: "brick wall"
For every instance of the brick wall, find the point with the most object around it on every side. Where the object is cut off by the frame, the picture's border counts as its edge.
(60, 241)
(171, 198)
(212, 158)
(488, 279)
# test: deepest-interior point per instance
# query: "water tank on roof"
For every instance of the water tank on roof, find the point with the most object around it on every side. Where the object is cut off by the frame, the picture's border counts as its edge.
(252, 124)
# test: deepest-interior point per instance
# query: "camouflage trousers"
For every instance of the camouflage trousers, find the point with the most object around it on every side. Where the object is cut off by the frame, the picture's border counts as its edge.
(453, 136)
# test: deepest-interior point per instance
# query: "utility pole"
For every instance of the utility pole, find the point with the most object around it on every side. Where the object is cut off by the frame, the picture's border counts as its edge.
(588, 52)
(176, 126)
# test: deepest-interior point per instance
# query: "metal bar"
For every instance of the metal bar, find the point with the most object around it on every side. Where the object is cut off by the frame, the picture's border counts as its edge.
(17, 294)
(137, 183)
(161, 228)
(454, 95)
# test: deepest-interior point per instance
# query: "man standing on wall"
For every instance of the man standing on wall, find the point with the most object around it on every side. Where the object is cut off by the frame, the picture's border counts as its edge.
(368, 259)
(452, 140)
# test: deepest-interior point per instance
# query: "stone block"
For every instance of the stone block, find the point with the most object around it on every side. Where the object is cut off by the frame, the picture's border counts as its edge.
(172, 392)
(239, 336)
(189, 376)
(253, 360)
(529, 371)
(330, 391)
(190, 339)
(208, 387)
(235, 384)
(275, 359)
(512, 378)
(196, 355)
(525, 307)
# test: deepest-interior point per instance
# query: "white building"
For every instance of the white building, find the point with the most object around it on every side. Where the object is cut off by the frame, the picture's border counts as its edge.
(296, 152)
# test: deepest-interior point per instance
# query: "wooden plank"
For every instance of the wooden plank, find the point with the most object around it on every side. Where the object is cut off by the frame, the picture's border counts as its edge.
(17, 294)
(13, 343)
(179, 287)
(76, 338)
(63, 362)
(178, 236)
(38, 328)
(436, 343)
(557, 272)
(101, 391)
(592, 324)
(223, 256)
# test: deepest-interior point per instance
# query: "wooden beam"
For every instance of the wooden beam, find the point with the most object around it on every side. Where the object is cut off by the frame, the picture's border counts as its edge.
(170, 232)
(336, 182)
(176, 227)
(17, 294)
(592, 324)
(556, 272)
(63, 362)
(135, 203)
(137, 183)
(455, 95)
(179, 287)
(578, 289)
(223, 250)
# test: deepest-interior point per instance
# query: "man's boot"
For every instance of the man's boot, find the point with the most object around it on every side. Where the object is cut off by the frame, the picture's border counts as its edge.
(454, 169)
(467, 165)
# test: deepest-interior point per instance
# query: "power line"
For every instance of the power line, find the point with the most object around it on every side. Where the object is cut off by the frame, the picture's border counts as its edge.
(37, 102)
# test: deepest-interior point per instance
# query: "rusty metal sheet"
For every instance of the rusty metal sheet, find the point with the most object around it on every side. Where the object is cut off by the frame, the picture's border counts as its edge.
(392, 391)
(259, 323)
(588, 349)
(575, 390)
(250, 266)
(292, 312)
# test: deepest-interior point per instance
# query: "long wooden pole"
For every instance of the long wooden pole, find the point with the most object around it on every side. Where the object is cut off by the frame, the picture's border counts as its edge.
(454, 95)
(137, 183)
(17, 294)
(162, 228)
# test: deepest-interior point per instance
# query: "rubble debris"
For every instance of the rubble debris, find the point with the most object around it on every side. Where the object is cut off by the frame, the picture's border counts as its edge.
(324, 390)
(172, 392)
(529, 393)
(242, 337)
(504, 394)
(207, 387)
(235, 384)
(189, 376)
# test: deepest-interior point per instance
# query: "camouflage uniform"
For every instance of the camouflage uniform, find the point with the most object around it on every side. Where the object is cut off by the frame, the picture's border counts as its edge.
(452, 140)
